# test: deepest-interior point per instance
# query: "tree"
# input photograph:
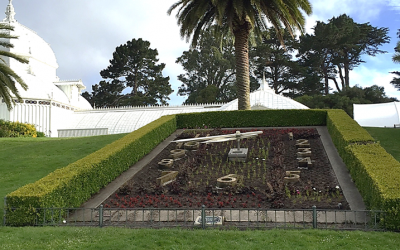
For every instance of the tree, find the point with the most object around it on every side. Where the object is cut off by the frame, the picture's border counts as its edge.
(133, 68)
(337, 47)
(396, 58)
(346, 98)
(274, 61)
(210, 65)
(241, 17)
(8, 78)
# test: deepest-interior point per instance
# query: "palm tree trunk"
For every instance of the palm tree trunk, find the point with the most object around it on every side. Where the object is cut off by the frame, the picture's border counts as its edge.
(242, 66)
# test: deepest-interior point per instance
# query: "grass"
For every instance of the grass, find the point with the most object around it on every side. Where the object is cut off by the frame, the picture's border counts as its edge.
(26, 160)
(123, 238)
(389, 139)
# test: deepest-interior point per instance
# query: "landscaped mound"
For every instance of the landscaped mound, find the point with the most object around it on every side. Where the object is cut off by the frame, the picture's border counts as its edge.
(259, 182)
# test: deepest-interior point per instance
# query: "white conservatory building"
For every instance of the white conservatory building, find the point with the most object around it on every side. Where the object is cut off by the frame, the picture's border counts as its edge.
(57, 108)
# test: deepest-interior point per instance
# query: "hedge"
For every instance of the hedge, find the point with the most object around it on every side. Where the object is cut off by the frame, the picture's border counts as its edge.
(74, 184)
(344, 130)
(254, 118)
(377, 176)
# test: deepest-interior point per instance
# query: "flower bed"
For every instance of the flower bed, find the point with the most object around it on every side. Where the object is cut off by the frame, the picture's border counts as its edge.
(261, 178)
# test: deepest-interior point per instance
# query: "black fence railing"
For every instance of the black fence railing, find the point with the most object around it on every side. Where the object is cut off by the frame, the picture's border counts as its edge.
(210, 217)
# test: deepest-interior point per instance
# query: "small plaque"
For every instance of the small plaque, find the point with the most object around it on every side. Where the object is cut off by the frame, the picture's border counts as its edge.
(238, 155)
(210, 220)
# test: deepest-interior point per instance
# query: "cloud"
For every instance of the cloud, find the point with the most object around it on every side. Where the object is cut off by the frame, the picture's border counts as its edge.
(361, 10)
(365, 76)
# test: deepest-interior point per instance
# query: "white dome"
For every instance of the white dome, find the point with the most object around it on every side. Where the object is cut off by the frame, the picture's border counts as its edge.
(266, 98)
(40, 73)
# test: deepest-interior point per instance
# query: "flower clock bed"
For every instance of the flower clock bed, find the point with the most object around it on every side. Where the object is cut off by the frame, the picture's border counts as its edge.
(259, 181)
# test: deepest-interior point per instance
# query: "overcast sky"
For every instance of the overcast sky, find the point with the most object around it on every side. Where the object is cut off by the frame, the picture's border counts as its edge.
(85, 33)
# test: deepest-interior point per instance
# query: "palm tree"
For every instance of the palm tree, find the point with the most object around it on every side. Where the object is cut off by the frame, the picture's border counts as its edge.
(241, 17)
(8, 78)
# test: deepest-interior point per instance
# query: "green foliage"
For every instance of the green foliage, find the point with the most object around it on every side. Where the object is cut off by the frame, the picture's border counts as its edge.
(254, 118)
(210, 65)
(344, 130)
(240, 19)
(72, 185)
(133, 66)
(376, 174)
(337, 47)
(8, 79)
(272, 59)
(17, 129)
(345, 99)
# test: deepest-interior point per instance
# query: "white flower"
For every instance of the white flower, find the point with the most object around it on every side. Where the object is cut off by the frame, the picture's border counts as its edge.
(337, 187)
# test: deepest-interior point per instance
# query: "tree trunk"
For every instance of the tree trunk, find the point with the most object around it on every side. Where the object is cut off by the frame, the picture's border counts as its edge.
(341, 77)
(241, 33)
(326, 84)
(346, 76)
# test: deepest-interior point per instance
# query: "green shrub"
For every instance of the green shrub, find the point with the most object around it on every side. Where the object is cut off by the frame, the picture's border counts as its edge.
(344, 130)
(74, 184)
(17, 129)
(376, 174)
(254, 118)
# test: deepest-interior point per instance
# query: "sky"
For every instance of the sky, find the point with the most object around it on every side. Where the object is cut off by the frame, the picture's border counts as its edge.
(83, 34)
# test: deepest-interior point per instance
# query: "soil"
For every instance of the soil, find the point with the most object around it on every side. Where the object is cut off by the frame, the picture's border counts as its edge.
(261, 178)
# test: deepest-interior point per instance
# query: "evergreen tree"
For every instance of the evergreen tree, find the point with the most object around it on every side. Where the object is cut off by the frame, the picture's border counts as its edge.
(133, 69)
(337, 47)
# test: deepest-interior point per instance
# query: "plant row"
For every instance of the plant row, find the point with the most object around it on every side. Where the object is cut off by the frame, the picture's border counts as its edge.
(375, 172)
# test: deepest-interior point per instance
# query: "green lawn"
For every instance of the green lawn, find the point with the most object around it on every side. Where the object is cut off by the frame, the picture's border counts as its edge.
(123, 238)
(26, 160)
(389, 139)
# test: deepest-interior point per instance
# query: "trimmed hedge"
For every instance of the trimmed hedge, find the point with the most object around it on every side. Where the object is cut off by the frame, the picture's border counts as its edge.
(254, 118)
(74, 184)
(344, 130)
(375, 172)
(377, 176)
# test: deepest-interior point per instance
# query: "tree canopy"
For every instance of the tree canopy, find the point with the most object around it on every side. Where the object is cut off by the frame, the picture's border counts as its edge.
(133, 78)
(241, 17)
(337, 47)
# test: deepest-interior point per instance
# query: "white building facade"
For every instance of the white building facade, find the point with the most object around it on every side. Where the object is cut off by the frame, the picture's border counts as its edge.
(48, 103)
(57, 108)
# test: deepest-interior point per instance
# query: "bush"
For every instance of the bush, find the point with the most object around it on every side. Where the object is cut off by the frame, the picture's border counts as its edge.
(17, 129)
(376, 174)
(254, 118)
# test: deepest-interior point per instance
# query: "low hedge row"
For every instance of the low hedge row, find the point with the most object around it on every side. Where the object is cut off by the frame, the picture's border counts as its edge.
(254, 118)
(377, 175)
(375, 172)
(344, 130)
(74, 184)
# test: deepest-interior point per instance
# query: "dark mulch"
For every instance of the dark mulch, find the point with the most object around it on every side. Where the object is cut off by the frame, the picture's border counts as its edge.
(271, 154)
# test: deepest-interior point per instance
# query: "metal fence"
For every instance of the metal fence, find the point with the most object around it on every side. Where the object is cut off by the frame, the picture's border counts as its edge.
(210, 217)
